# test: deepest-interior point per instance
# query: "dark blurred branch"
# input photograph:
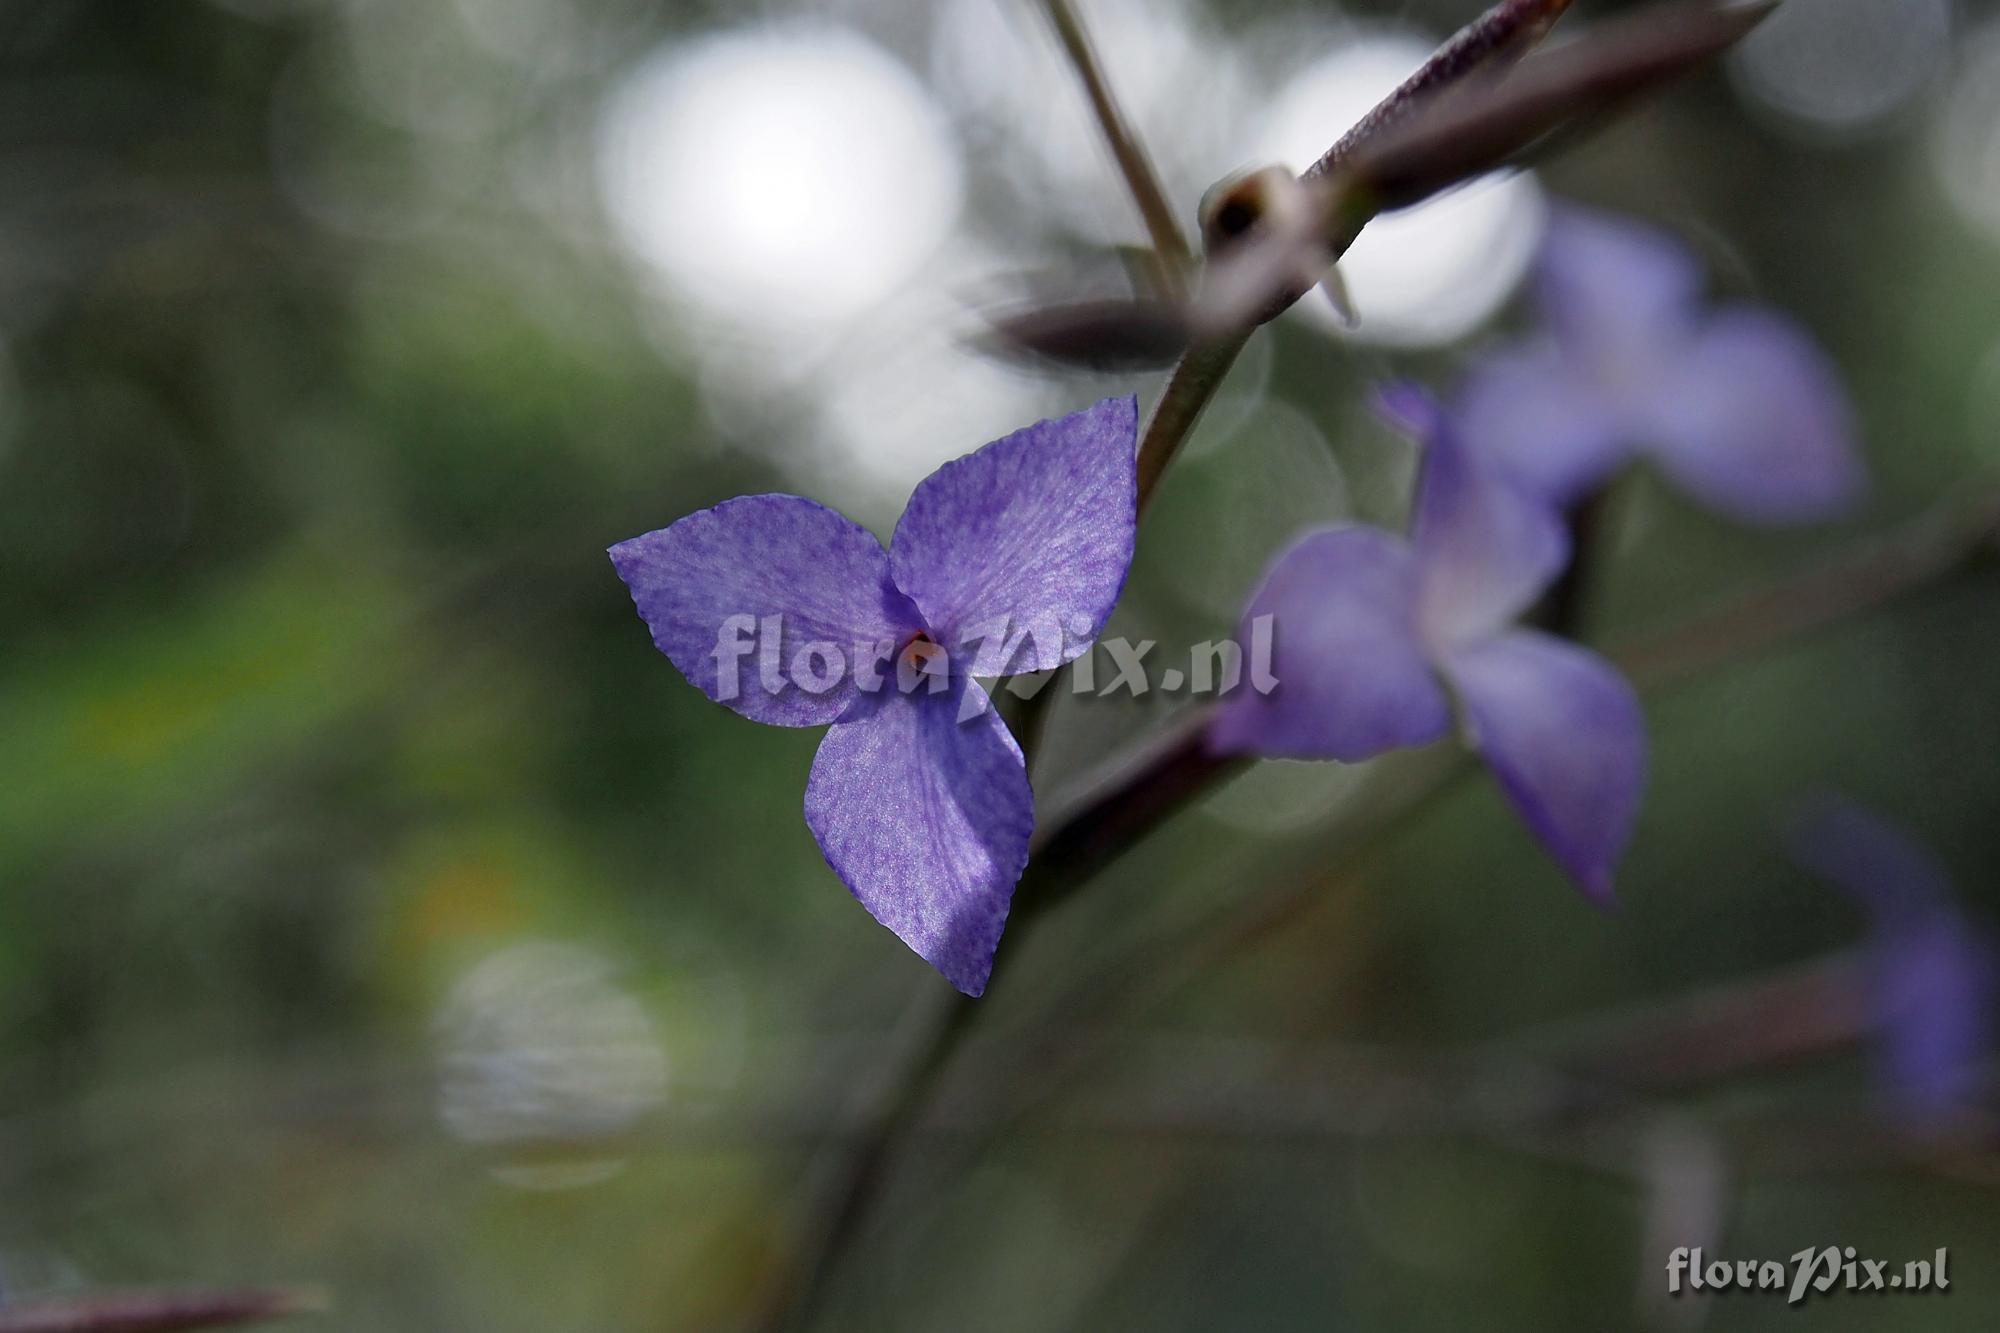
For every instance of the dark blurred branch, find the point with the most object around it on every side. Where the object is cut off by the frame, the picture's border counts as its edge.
(156, 1311)
(1875, 570)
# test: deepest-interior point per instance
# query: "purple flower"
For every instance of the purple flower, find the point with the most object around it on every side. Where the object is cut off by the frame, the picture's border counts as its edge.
(918, 796)
(1375, 634)
(1931, 971)
(1735, 403)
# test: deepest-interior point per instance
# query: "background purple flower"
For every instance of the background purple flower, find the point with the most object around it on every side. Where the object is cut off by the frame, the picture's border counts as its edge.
(1372, 631)
(1931, 971)
(1735, 403)
(919, 799)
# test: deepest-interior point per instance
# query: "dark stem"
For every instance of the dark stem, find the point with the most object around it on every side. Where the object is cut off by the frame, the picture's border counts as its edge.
(1564, 608)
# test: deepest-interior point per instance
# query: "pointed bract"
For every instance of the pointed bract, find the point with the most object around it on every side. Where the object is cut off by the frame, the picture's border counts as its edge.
(1025, 543)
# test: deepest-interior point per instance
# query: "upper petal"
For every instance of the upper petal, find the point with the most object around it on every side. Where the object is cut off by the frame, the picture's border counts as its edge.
(1933, 979)
(1931, 971)
(1562, 732)
(1547, 427)
(1025, 543)
(707, 585)
(1486, 546)
(926, 818)
(1752, 419)
(1352, 678)
(1617, 293)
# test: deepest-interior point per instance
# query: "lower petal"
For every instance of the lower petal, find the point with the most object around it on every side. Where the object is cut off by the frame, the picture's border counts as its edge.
(1562, 732)
(1351, 680)
(1754, 422)
(922, 807)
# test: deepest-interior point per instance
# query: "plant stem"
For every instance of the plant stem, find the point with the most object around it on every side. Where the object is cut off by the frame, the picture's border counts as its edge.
(1134, 164)
(938, 1018)
(1874, 570)
(1189, 391)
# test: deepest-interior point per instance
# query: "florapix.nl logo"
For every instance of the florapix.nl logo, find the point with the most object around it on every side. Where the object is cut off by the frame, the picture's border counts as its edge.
(773, 655)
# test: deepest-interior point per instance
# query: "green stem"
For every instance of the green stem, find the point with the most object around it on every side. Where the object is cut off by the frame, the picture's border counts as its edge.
(1189, 392)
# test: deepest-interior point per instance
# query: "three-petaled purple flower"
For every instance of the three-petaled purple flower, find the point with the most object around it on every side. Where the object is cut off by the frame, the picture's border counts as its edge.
(1375, 634)
(919, 795)
(1735, 404)
(1931, 971)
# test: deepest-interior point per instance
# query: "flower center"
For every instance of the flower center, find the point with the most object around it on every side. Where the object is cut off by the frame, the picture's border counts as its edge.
(921, 656)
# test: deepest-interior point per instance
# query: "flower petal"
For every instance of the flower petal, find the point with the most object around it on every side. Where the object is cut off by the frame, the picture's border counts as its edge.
(1619, 294)
(1486, 547)
(1562, 732)
(1931, 971)
(926, 819)
(1933, 1005)
(1528, 411)
(1752, 420)
(705, 585)
(1352, 679)
(1024, 544)
(1877, 864)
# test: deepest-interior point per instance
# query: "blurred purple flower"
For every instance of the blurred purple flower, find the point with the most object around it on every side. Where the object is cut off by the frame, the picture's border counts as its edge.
(1735, 403)
(919, 796)
(1931, 971)
(1371, 631)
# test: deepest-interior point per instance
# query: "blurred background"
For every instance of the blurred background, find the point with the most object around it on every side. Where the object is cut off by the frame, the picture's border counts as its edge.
(378, 909)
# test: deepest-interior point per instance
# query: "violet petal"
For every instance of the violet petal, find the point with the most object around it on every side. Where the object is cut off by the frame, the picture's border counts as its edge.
(1563, 733)
(1545, 426)
(1752, 420)
(1352, 678)
(1485, 546)
(705, 585)
(926, 819)
(1931, 971)
(1933, 999)
(1618, 293)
